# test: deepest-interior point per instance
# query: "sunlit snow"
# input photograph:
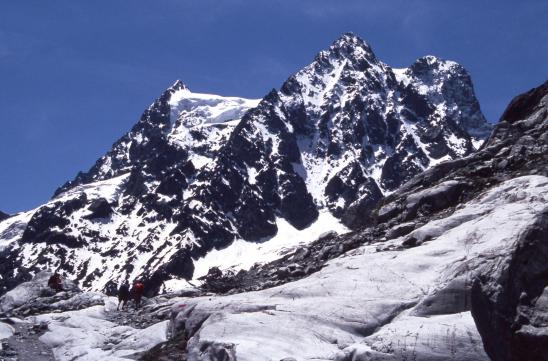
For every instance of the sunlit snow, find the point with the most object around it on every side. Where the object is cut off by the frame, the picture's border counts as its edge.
(242, 254)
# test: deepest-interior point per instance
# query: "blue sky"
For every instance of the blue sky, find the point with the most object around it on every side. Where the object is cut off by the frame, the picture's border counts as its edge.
(76, 75)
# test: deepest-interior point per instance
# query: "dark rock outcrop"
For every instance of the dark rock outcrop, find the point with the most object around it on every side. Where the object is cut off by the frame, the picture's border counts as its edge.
(3, 216)
(99, 208)
(35, 297)
(510, 303)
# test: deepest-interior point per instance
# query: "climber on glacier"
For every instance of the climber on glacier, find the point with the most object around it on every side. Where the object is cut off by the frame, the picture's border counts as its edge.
(137, 291)
(123, 295)
(55, 282)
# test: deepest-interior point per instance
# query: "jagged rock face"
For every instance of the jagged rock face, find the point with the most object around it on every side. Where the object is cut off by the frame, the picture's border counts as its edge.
(353, 128)
(510, 302)
(191, 176)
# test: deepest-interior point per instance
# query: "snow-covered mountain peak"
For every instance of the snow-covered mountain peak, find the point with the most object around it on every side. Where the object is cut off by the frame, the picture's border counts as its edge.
(183, 124)
(352, 47)
(200, 171)
(357, 121)
(427, 69)
(447, 86)
(191, 109)
(337, 74)
(178, 85)
(429, 62)
(430, 71)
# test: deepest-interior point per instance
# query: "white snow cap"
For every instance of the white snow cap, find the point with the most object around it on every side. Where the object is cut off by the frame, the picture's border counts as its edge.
(198, 108)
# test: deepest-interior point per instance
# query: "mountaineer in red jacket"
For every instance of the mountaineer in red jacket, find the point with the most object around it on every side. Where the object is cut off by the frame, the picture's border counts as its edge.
(137, 292)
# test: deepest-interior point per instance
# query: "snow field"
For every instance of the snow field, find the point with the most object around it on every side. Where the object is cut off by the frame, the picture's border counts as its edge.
(360, 300)
(87, 335)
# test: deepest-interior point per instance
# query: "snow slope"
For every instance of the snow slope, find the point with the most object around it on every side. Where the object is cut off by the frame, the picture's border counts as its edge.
(76, 325)
(243, 255)
(12, 228)
(88, 335)
(342, 310)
